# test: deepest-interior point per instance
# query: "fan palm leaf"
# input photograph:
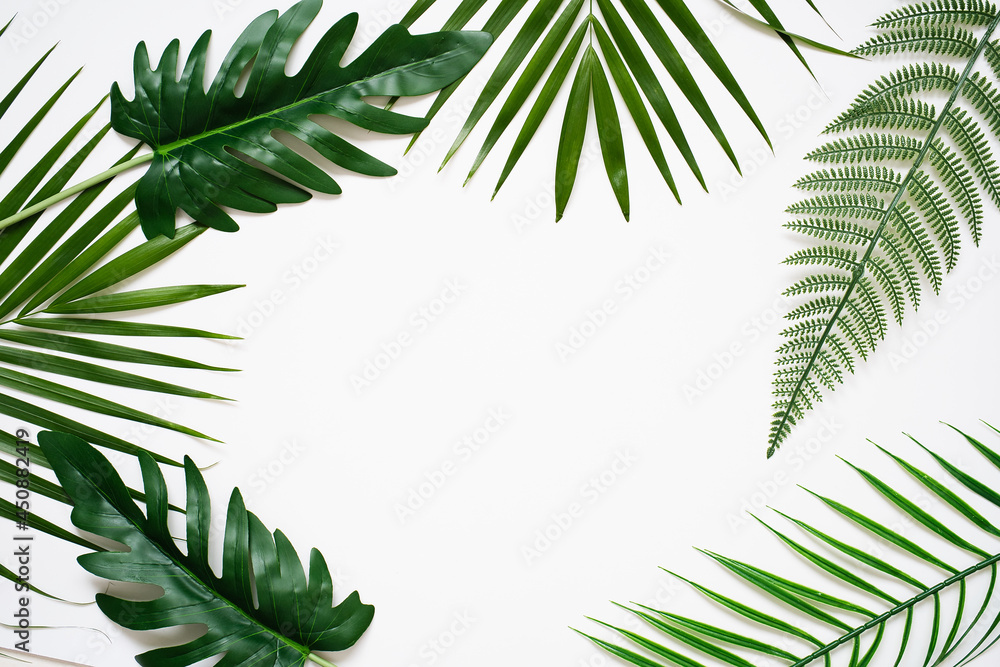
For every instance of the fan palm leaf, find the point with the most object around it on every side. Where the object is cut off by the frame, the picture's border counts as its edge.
(960, 600)
(59, 267)
(892, 195)
(547, 34)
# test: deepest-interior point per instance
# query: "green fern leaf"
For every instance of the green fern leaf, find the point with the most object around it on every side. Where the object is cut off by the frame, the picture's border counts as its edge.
(887, 230)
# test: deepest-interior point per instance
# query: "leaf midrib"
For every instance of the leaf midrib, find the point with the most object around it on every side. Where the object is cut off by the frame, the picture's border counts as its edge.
(859, 272)
(898, 609)
(304, 650)
(166, 149)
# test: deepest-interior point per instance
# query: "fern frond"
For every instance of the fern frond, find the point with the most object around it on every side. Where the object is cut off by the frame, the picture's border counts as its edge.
(891, 114)
(960, 185)
(852, 179)
(868, 148)
(894, 203)
(937, 40)
(840, 258)
(975, 148)
(944, 12)
(851, 205)
(916, 78)
(829, 229)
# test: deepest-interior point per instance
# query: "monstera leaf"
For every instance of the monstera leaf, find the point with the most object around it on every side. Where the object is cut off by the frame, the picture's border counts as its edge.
(206, 145)
(261, 611)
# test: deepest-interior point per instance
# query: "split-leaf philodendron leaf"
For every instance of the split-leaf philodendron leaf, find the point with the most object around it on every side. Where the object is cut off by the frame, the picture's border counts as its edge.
(205, 143)
(262, 611)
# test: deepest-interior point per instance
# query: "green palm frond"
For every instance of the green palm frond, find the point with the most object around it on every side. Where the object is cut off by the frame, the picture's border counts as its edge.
(261, 611)
(895, 191)
(608, 45)
(62, 275)
(59, 274)
(870, 619)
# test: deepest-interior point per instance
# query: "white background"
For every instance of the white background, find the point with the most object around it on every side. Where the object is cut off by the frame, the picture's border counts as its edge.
(341, 462)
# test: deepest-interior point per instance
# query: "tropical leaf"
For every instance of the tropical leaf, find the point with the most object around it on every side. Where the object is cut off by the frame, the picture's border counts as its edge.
(58, 279)
(262, 610)
(894, 191)
(66, 265)
(207, 144)
(549, 32)
(855, 626)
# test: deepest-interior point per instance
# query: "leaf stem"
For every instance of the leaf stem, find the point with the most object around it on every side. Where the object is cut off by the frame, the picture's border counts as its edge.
(320, 661)
(75, 189)
(909, 604)
(859, 271)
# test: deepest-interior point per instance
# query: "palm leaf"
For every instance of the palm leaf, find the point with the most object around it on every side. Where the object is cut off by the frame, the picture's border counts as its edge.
(887, 232)
(262, 610)
(544, 34)
(204, 142)
(59, 274)
(854, 624)
(57, 265)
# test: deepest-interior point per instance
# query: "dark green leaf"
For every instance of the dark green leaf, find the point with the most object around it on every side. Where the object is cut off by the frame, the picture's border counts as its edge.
(574, 129)
(139, 299)
(526, 38)
(609, 132)
(295, 615)
(113, 328)
(204, 143)
(74, 368)
(131, 262)
(529, 78)
(89, 257)
(541, 106)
